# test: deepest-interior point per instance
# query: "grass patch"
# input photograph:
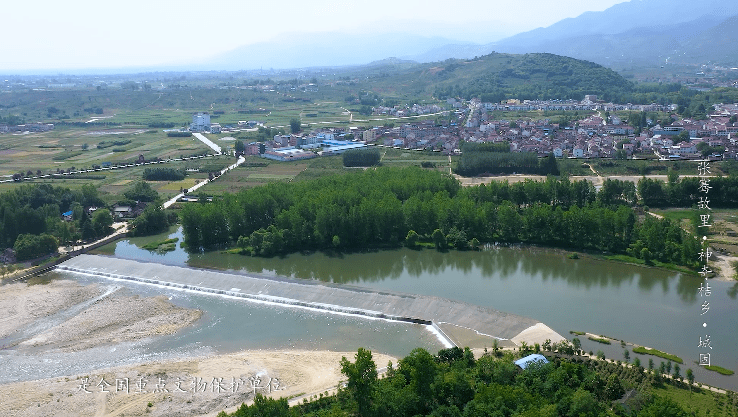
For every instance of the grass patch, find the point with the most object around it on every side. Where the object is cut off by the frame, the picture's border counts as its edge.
(577, 333)
(719, 369)
(270, 177)
(66, 155)
(636, 261)
(186, 183)
(167, 245)
(645, 351)
(600, 340)
(698, 402)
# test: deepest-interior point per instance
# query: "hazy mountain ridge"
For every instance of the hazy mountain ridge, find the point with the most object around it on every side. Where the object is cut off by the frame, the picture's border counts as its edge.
(328, 49)
(638, 32)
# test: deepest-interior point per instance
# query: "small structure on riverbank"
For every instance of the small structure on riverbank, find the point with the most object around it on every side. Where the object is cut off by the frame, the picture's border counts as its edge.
(523, 363)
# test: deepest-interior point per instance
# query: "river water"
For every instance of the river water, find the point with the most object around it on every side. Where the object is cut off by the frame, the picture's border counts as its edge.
(646, 306)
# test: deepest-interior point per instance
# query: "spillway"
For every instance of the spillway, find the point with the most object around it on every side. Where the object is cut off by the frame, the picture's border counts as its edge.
(345, 299)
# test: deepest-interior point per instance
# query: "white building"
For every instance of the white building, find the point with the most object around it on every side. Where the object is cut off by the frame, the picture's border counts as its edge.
(369, 135)
(200, 122)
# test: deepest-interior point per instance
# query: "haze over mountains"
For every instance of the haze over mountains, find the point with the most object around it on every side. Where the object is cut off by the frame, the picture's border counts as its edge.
(639, 32)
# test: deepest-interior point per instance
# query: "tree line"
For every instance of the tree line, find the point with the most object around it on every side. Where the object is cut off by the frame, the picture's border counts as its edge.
(496, 158)
(383, 206)
(32, 221)
(454, 383)
(361, 157)
(685, 191)
(163, 174)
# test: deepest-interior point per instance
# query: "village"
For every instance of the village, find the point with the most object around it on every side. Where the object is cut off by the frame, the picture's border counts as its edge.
(598, 135)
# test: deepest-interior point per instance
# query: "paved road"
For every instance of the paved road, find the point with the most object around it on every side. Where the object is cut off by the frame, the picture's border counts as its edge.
(208, 142)
(174, 199)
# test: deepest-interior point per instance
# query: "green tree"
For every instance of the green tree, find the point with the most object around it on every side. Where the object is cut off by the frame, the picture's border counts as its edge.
(474, 243)
(457, 238)
(690, 378)
(419, 369)
(101, 221)
(239, 147)
(583, 403)
(88, 232)
(295, 125)
(263, 407)
(613, 388)
(29, 246)
(153, 220)
(141, 191)
(362, 378)
(663, 407)
(411, 239)
(438, 239)
(577, 344)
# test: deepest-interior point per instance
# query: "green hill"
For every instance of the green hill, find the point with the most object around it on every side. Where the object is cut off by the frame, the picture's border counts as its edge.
(498, 76)
(528, 77)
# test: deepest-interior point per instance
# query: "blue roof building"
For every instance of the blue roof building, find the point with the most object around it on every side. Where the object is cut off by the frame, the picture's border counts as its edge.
(524, 362)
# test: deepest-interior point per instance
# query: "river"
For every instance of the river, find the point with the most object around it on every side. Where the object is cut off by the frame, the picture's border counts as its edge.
(645, 306)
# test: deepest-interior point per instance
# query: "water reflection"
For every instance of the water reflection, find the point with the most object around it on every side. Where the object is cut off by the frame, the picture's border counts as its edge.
(499, 263)
(733, 291)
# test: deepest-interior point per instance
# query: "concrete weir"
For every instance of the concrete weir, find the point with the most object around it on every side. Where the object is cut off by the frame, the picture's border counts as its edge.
(410, 308)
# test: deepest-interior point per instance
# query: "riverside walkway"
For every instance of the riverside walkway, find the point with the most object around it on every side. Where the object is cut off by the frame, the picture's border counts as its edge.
(325, 296)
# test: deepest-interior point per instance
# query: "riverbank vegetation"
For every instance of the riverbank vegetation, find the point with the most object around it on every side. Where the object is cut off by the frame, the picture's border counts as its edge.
(646, 351)
(379, 208)
(454, 383)
(683, 192)
(34, 216)
(166, 245)
(719, 369)
(602, 340)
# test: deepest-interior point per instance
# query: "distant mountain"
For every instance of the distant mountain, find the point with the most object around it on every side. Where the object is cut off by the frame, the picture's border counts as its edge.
(717, 43)
(637, 32)
(329, 49)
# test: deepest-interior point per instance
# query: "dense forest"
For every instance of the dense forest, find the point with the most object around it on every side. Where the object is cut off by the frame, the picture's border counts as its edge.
(361, 157)
(685, 192)
(497, 159)
(32, 219)
(391, 206)
(454, 383)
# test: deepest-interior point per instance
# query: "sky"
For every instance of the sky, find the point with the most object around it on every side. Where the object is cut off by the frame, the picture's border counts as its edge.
(81, 34)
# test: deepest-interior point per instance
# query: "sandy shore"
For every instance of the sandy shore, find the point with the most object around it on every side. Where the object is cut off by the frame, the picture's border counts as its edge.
(21, 304)
(197, 386)
(68, 316)
(65, 316)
